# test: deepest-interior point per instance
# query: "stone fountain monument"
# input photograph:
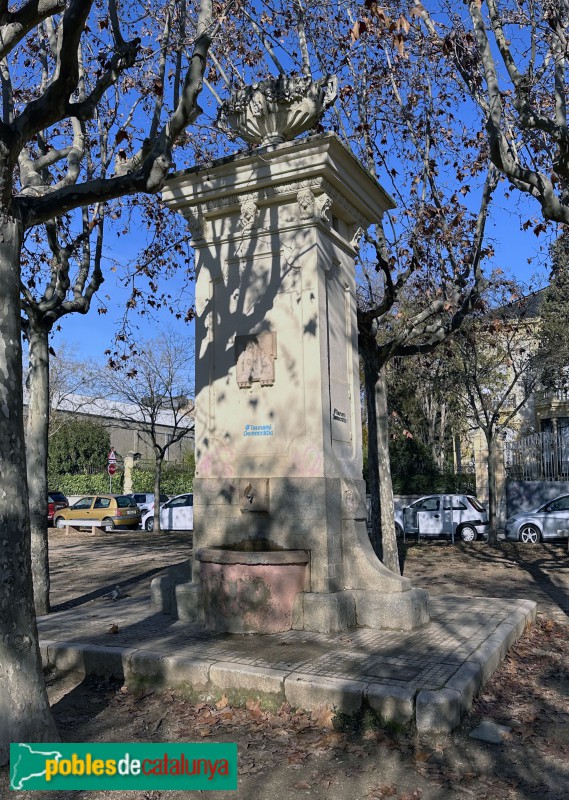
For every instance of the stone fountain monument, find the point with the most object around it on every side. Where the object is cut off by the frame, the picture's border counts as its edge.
(280, 536)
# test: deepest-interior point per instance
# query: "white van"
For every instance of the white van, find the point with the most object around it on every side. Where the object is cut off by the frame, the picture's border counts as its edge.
(444, 515)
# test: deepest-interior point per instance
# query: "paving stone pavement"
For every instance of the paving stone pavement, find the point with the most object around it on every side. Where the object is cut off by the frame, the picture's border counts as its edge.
(427, 677)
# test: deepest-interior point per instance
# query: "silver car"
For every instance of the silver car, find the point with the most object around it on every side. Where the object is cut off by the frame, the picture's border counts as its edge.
(549, 521)
(444, 515)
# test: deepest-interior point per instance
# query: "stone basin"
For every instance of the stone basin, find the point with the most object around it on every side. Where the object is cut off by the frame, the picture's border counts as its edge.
(248, 591)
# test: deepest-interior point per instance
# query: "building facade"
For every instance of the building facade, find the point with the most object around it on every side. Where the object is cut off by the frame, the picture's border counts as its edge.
(129, 427)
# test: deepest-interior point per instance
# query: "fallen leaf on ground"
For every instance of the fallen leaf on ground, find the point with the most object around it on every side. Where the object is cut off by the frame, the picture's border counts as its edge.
(385, 790)
(323, 717)
(330, 740)
(254, 707)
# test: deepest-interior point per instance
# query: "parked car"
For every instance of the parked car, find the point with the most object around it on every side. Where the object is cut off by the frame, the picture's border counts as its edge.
(144, 500)
(111, 510)
(444, 515)
(175, 515)
(55, 502)
(549, 521)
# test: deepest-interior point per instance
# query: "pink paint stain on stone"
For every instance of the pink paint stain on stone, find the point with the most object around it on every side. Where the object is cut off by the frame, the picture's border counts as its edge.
(251, 592)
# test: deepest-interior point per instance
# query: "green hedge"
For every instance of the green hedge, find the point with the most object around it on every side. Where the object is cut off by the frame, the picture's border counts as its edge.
(78, 445)
(174, 480)
(413, 471)
(98, 483)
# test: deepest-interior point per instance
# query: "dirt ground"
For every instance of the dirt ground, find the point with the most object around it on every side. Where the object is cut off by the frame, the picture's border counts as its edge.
(289, 755)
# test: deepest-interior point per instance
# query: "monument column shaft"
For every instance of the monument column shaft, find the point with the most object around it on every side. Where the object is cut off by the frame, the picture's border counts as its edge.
(277, 388)
(278, 427)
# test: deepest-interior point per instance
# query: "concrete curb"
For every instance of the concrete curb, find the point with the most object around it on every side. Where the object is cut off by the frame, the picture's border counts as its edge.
(251, 679)
(432, 710)
(438, 711)
(310, 692)
(392, 703)
(89, 659)
(467, 681)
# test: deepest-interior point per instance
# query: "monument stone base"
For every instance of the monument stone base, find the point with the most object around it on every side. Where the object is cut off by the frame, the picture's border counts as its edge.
(401, 611)
(324, 613)
(312, 611)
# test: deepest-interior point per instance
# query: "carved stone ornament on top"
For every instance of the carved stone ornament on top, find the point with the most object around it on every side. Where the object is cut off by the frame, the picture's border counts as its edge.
(357, 238)
(277, 109)
(195, 225)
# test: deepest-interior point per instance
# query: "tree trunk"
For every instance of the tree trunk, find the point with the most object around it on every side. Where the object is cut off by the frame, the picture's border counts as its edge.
(457, 454)
(492, 494)
(388, 537)
(370, 377)
(442, 437)
(157, 482)
(24, 708)
(431, 409)
(36, 455)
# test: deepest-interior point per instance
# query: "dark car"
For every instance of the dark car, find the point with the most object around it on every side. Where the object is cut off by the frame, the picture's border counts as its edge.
(144, 500)
(55, 502)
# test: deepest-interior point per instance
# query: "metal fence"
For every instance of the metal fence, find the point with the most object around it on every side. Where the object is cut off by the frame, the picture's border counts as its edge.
(538, 457)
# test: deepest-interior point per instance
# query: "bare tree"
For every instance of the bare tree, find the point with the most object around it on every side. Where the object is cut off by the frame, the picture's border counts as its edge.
(493, 369)
(41, 312)
(156, 386)
(70, 385)
(511, 58)
(422, 266)
(62, 64)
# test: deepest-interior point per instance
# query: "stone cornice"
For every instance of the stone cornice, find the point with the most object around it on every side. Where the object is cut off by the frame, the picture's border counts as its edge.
(319, 187)
(303, 163)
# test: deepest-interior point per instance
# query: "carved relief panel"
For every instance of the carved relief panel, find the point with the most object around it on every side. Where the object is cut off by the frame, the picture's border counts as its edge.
(255, 359)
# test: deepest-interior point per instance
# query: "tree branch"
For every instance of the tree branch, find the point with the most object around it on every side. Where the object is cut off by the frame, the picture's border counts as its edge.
(52, 106)
(156, 157)
(16, 25)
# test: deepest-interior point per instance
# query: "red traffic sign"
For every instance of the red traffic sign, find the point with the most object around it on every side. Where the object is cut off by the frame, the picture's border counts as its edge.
(112, 468)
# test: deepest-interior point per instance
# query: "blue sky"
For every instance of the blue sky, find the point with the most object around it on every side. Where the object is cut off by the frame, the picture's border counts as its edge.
(89, 336)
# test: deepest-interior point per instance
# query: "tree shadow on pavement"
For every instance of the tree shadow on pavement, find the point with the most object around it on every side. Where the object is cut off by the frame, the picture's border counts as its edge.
(102, 591)
(490, 570)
